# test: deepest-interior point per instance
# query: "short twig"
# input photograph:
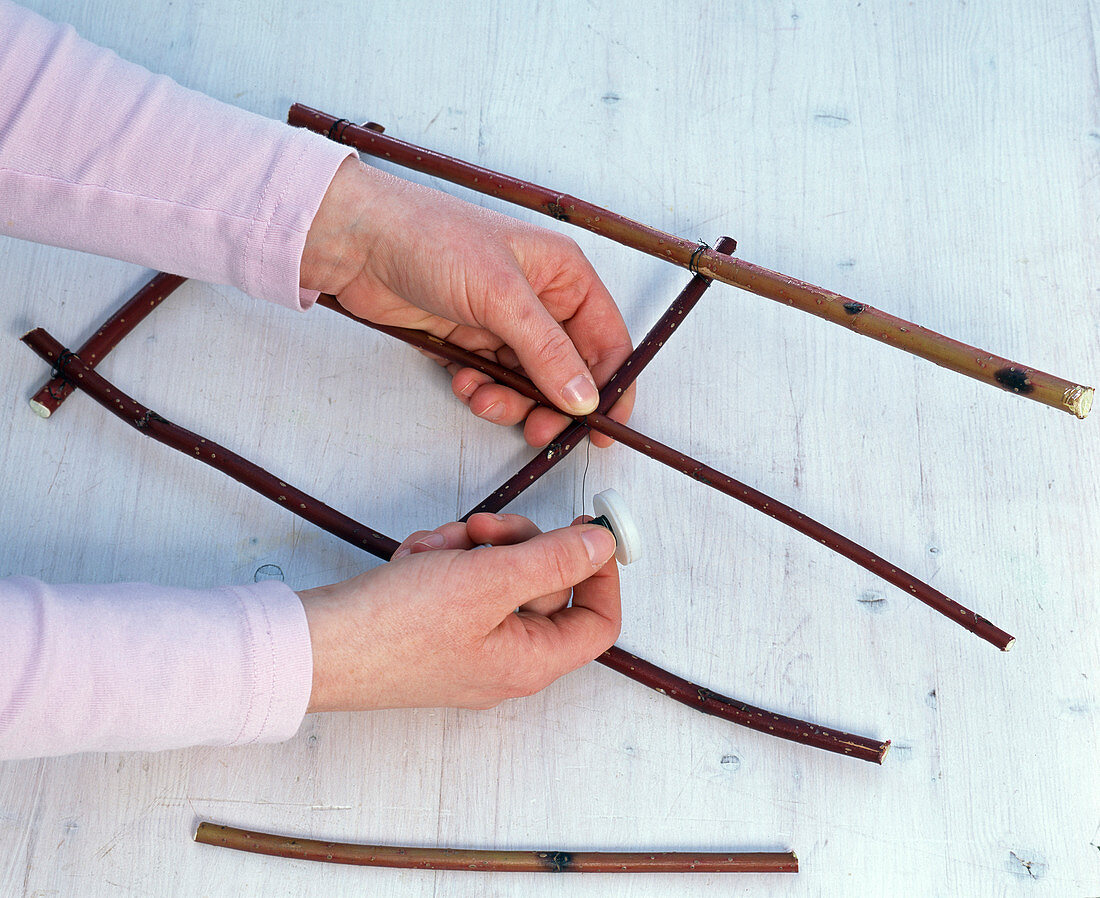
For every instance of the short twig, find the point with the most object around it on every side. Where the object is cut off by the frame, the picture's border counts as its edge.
(56, 390)
(628, 372)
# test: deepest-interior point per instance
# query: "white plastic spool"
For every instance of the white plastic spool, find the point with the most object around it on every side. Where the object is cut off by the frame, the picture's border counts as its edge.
(610, 506)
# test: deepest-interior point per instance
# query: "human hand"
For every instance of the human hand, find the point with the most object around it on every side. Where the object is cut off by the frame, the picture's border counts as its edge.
(438, 625)
(400, 254)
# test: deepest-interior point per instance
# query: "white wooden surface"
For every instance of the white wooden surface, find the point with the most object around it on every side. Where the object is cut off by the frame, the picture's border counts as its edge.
(939, 161)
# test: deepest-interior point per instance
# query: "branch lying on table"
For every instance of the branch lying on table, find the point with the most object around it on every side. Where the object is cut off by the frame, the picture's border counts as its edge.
(877, 565)
(313, 510)
(56, 390)
(628, 372)
(483, 861)
(148, 422)
(700, 259)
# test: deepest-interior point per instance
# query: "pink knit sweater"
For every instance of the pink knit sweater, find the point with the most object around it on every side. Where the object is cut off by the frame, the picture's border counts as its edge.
(100, 155)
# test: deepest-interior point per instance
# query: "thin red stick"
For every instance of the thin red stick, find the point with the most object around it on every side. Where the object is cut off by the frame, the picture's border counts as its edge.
(736, 711)
(488, 861)
(339, 525)
(569, 438)
(877, 565)
(148, 422)
(56, 390)
(856, 316)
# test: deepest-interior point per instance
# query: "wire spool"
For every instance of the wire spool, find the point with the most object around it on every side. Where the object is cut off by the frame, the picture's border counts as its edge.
(612, 512)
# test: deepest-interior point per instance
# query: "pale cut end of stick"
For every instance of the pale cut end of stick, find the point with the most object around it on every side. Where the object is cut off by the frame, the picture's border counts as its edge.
(1011, 642)
(39, 409)
(1079, 400)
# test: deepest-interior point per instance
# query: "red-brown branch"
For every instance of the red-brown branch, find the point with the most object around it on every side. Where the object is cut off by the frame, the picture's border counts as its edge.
(363, 537)
(56, 390)
(148, 422)
(739, 712)
(856, 316)
(488, 861)
(628, 372)
(877, 565)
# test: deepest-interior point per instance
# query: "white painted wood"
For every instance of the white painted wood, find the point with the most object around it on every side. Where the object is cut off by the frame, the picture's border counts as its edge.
(939, 161)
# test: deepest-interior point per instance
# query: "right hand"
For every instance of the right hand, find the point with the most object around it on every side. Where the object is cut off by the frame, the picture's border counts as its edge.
(443, 626)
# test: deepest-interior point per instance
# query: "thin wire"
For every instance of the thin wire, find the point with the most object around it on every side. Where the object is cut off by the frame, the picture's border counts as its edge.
(584, 476)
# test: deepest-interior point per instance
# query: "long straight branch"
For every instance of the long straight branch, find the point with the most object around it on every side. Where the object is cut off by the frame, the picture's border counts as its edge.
(677, 460)
(628, 372)
(313, 510)
(856, 316)
(488, 861)
(56, 390)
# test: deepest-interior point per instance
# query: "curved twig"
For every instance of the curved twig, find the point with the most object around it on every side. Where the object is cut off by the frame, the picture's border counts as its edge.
(856, 316)
(742, 713)
(487, 861)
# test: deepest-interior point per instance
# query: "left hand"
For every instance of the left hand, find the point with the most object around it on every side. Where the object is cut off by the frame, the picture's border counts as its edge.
(400, 254)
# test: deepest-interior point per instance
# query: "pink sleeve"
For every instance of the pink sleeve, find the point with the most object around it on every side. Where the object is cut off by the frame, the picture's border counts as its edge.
(135, 667)
(100, 155)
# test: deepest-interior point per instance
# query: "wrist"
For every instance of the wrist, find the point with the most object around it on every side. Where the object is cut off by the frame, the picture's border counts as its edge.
(334, 251)
(319, 620)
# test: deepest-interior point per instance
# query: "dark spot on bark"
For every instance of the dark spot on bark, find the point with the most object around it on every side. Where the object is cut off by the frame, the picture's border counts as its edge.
(557, 210)
(557, 861)
(854, 308)
(1014, 379)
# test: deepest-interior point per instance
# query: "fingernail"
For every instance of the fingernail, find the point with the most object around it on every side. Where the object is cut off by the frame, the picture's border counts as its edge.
(599, 544)
(469, 389)
(498, 517)
(433, 541)
(400, 553)
(581, 394)
(494, 412)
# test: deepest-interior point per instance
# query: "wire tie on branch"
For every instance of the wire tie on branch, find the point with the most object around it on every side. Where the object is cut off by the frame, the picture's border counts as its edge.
(58, 372)
(335, 132)
(703, 247)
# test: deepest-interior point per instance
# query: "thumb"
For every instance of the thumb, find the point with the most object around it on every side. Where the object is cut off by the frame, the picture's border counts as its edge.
(544, 350)
(550, 562)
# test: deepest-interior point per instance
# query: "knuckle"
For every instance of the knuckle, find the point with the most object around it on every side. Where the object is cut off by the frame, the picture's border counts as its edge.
(558, 565)
(554, 346)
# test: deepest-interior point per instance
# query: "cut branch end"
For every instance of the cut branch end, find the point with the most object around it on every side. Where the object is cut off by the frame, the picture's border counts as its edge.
(39, 409)
(1079, 400)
